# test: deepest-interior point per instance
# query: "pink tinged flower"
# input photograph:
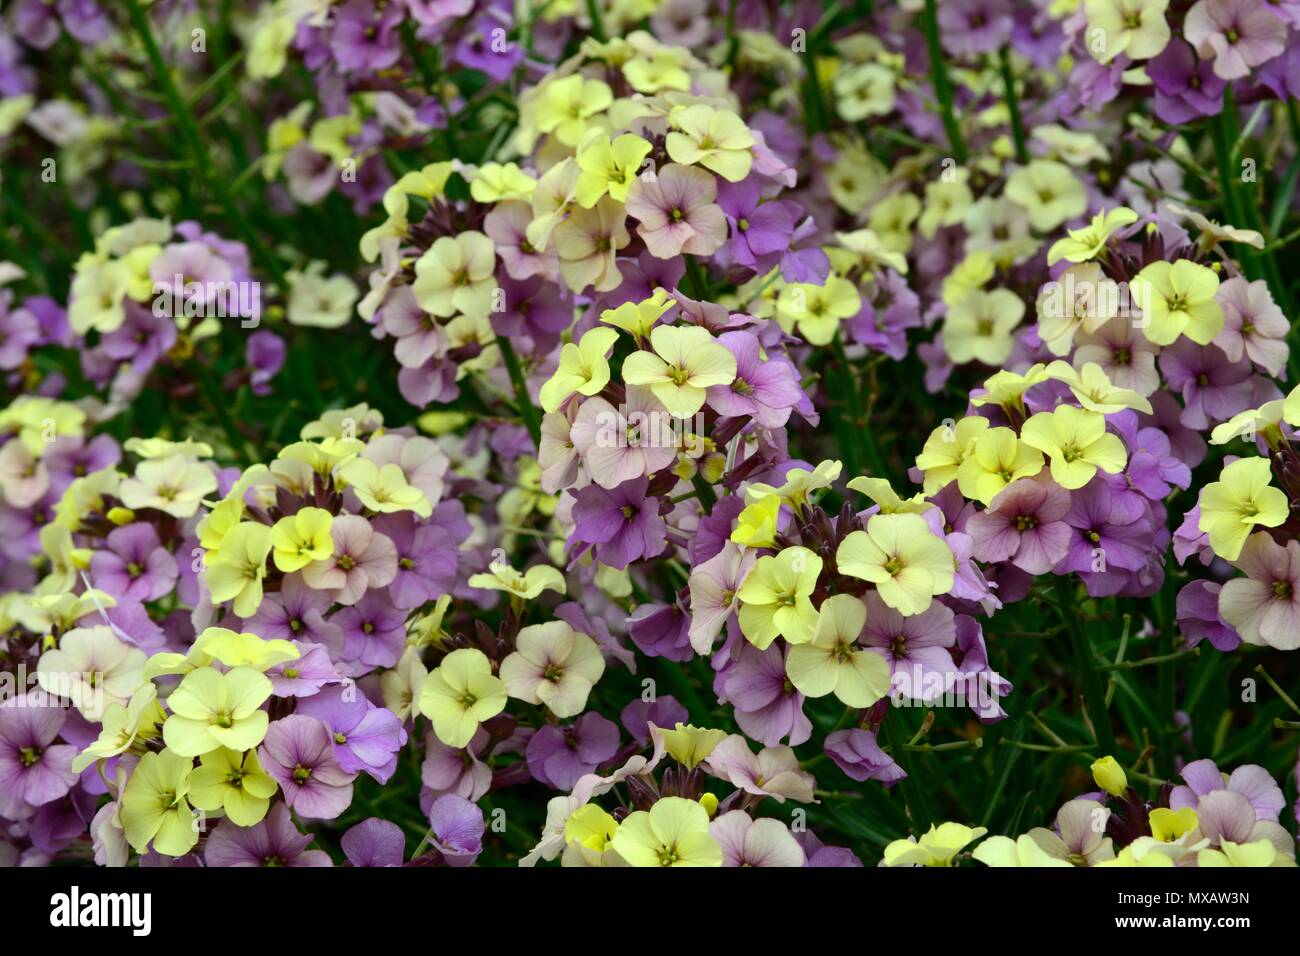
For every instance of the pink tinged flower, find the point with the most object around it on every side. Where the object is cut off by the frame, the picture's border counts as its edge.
(1239, 34)
(33, 769)
(419, 336)
(456, 829)
(633, 440)
(363, 558)
(298, 753)
(556, 453)
(1253, 325)
(767, 706)
(553, 665)
(772, 772)
(366, 738)
(857, 753)
(506, 225)
(749, 842)
(456, 770)
(766, 390)
(273, 842)
(560, 756)
(713, 587)
(1264, 606)
(1198, 616)
(135, 566)
(1202, 777)
(1024, 524)
(916, 647)
(677, 212)
(374, 842)
(305, 676)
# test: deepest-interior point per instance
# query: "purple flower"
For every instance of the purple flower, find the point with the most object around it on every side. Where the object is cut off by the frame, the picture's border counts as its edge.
(33, 769)
(1213, 388)
(882, 321)
(366, 738)
(264, 354)
(19, 331)
(427, 559)
(856, 752)
(763, 390)
(558, 756)
(760, 231)
(135, 566)
(374, 842)
(1186, 88)
(297, 613)
(1198, 616)
(662, 630)
(916, 647)
(363, 43)
(307, 674)
(623, 523)
(298, 753)
(478, 48)
(456, 770)
(1111, 535)
(456, 829)
(141, 339)
(974, 26)
(1238, 34)
(373, 632)
(768, 708)
(1023, 524)
(663, 711)
(273, 842)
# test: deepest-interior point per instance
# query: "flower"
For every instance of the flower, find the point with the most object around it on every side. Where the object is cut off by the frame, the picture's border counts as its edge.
(856, 752)
(1239, 501)
(154, 805)
(772, 772)
(1237, 34)
(716, 139)
(713, 585)
(92, 668)
(834, 662)
(622, 523)
(1023, 524)
(583, 368)
(553, 665)
(273, 842)
(1264, 606)
(1178, 299)
(1253, 325)
(459, 694)
(525, 586)
(1082, 245)
(1080, 838)
(915, 648)
(456, 826)
(363, 558)
(211, 709)
(937, 846)
(674, 832)
(234, 572)
(684, 363)
(365, 738)
(745, 841)
(174, 485)
(302, 538)
(1076, 443)
(234, 782)
(899, 555)
(456, 275)
(618, 444)
(587, 243)
(774, 598)
(609, 167)
(382, 488)
(1109, 775)
(374, 842)
(33, 769)
(559, 756)
(677, 212)
(979, 326)
(817, 310)
(297, 752)
(1049, 191)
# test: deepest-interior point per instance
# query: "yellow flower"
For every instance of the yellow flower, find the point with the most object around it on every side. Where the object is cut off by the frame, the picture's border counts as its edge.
(716, 139)
(1260, 853)
(945, 450)
(234, 782)
(1093, 388)
(863, 90)
(1082, 245)
(583, 368)
(567, 105)
(609, 167)
(456, 274)
(674, 832)
(639, 317)
(686, 360)
(817, 309)
(1076, 442)
(494, 182)
(774, 598)
(899, 554)
(756, 523)
(996, 458)
(383, 489)
(979, 326)
(882, 493)
(664, 69)
(461, 693)
(834, 663)
(937, 847)
(1241, 500)
(587, 243)
(947, 200)
(302, 538)
(1136, 28)
(799, 485)
(502, 577)
(243, 649)
(1169, 825)
(1178, 298)
(154, 805)
(235, 571)
(1023, 851)
(211, 709)
(689, 745)
(1048, 191)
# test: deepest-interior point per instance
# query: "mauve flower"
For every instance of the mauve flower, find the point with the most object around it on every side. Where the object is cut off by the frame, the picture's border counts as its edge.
(135, 566)
(200, 270)
(1111, 535)
(374, 842)
(974, 26)
(885, 316)
(634, 440)
(1264, 606)
(363, 558)
(33, 769)
(760, 231)
(70, 457)
(478, 48)
(19, 331)
(1239, 34)
(366, 738)
(1197, 614)
(713, 585)
(142, 338)
(662, 630)
(1023, 524)
(1186, 88)
(772, 772)
(456, 829)
(765, 390)
(427, 559)
(306, 674)
(365, 37)
(456, 770)
(558, 756)
(264, 354)
(533, 311)
(1078, 838)
(916, 647)
(662, 711)
(981, 686)
(677, 212)
(420, 337)
(857, 753)
(767, 706)
(374, 632)
(1203, 777)
(749, 842)
(818, 854)
(273, 842)
(507, 226)
(1225, 816)
(1213, 388)
(297, 612)
(623, 523)
(298, 753)
(1253, 325)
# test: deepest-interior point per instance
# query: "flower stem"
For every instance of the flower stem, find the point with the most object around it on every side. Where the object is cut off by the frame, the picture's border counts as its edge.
(1013, 106)
(939, 77)
(527, 410)
(1093, 695)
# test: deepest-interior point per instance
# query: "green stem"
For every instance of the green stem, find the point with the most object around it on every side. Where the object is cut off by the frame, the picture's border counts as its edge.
(1013, 106)
(597, 28)
(527, 410)
(939, 76)
(1094, 695)
(913, 795)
